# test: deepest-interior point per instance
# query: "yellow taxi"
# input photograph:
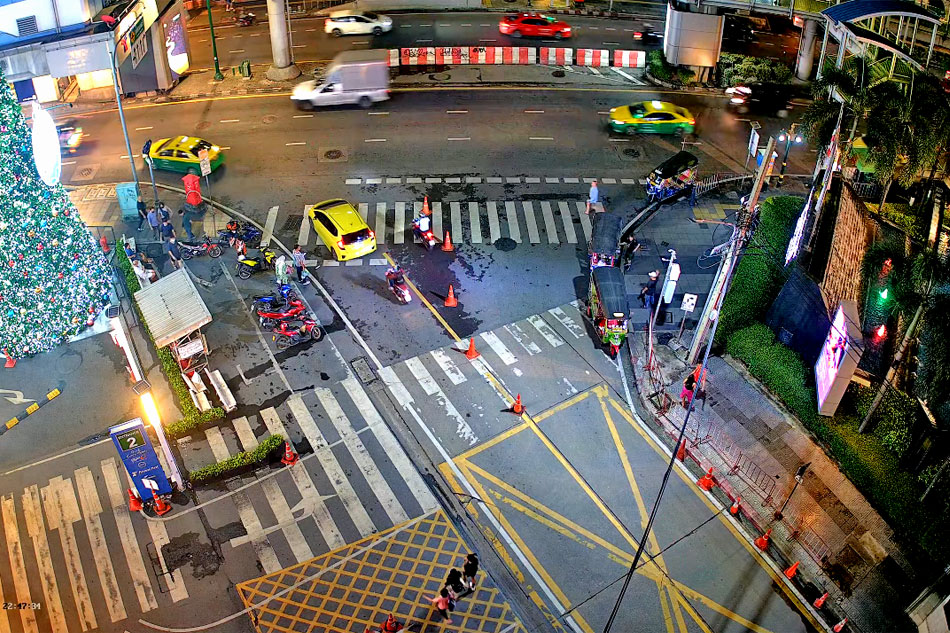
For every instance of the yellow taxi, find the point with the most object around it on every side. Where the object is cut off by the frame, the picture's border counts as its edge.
(342, 229)
(653, 117)
(180, 153)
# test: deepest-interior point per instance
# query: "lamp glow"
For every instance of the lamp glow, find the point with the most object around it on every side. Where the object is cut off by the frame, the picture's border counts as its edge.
(151, 411)
(49, 160)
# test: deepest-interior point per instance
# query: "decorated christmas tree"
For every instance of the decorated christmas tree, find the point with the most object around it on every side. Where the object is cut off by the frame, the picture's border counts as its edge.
(53, 275)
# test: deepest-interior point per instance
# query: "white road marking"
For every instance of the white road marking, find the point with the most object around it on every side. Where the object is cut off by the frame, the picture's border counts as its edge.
(17, 568)
(567, 221)
(269, 223)
(532, 223)
(585, 219)
(549, 225)
(487, 40)
(381, 222)
(623, 73)
(69, 162)
(296, 143)
(514, 230)
(619, 140)
(571, 181)
(393, 181)
(518, 334)
(552, 181)
(354, 181)
(610, 28)
(453, 180)
(567, 322)
(374, 140)
(474, 222)
(421, 374)
(229, 120)
(305, 46)
(126, 156)
(374, 181)
(466, 25)
(441, 25)
(610, 44)
(530, 180)
(540, 138)
(62, 510)
(399, 223)
(448, 366)
(436, 208)
(377, 113)
(378, 261)
(237, 50)
(593, 28)
(494, 229)
(609, 181)
(545, 330)
(604, 112)
(455, 210)
(628, 181)
(303, 116)
(146, 127)
(534, 111)
(423, 41)
(36, 528)
(473, 179)
(91, 509)
(456, 111)
(499, 348)
(594, 71)
(303, 236)
(405, 26)
(513, 179)
(173, 579)
(493, 179)
(459, 138)
(130, 545)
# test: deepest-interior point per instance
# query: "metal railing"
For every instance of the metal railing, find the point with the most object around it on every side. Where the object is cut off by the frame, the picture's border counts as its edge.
(714, 181)
(814, 545)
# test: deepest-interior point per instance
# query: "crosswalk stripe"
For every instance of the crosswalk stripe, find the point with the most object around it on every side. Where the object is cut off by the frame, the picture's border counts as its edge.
(448, 366)
(173, 579)
(545, 330)
(252, 523)
(91, 509)
(36, 528)
(399, 223)
(17, 567)
(499, 348)
(567, 322)
(130, 544)
(585, 220)
(531, 222)
(363, 209)
(494, 228)
(275, 497)
(567, 221)
(380, 222)
(416, 212)
(422, 375)
(308, 492)
(518, 334)
(333, 470)
(436, 208)
(303, 237)
(269, 223)
(474, 223)
(377, 483)
(514, 229)
(390, 445)
(456, 211)
(549, 224)
(60, 505)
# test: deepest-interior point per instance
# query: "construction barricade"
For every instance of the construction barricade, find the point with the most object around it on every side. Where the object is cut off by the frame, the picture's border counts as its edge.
(557, 56)
(394, 58)
(458, 55)
(630, 59)
(592, 57)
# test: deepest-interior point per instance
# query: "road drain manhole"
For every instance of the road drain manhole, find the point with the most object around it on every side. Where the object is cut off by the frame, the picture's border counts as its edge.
(632, 152)
(558, 73)
(202, 125)
(333, 154)
(269, 118)
(439, 76)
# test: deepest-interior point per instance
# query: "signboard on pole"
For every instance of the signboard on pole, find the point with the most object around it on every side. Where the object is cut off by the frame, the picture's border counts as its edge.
(204, 161)
(753, 141)
(137, 42)
(689, 302)
(139, 457)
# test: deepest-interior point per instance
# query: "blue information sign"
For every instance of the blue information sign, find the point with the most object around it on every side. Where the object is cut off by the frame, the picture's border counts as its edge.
(138, 455)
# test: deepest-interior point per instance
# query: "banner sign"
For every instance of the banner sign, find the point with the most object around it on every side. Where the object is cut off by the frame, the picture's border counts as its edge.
(139, 457)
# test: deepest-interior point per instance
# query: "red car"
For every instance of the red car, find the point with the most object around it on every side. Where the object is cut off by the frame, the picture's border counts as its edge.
(533, 25)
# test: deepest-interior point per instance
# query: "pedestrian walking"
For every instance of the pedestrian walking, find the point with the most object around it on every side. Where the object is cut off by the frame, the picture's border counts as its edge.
(628, 247)
(229, 5)
(154, 223)
(444, 603)
(143, 212)
(453, 582)
(593, 197)
(163, 212)
(300, 259)
(168, 231)
(470, 570)
(686, 393)
(700, 376)
(174, 253)
(280, 268)
(186, 224)
(650, 291)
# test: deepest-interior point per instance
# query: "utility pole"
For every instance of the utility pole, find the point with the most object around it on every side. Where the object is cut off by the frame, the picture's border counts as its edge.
(283, 67)
(747, 211)
(214, 46)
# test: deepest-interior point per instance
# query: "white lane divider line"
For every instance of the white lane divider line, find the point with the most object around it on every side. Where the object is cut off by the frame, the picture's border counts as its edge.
(423, 41)
(374, 140)
(534, 111)
(69, 162)
(237, 50)
(429, 385)
(296, 143)
(540, 138)
(303, 116)
(146, 127)
(619, 140)
(229, 120)
(377, 113)
(487, 40)
(459, 138)
(456, 111)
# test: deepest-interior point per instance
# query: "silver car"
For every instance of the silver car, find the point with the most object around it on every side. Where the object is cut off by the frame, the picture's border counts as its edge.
(340, 23)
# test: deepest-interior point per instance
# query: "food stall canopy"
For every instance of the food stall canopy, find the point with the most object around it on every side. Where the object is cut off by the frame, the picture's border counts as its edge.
(172, 308)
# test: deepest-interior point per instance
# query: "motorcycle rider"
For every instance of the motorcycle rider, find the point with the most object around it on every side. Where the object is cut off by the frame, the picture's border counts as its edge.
(422, 224)
(395, 275)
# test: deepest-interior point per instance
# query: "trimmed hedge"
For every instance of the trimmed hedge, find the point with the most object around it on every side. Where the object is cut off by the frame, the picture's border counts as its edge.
(193, 418)
(759, 276)
(665, 71)
(869, 460)
(239, 463)
(737, 69)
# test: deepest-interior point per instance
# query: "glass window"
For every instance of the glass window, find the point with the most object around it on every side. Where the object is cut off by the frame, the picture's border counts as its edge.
(327, 224)
(181, 154)
(356, 236)
(371, 15)
(168, 153)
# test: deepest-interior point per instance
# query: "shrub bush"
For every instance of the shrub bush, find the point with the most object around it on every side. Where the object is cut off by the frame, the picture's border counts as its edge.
(664, 71)
(736, 69)
(759, 276)
(237, 464)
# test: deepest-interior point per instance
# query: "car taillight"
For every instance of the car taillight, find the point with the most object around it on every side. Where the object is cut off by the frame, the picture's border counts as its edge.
(692, 121)
(340, 244)
(372, 234)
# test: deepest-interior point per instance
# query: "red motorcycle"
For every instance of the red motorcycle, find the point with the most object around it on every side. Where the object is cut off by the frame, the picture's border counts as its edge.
(270, 316)
(290, 333)
(192, 249)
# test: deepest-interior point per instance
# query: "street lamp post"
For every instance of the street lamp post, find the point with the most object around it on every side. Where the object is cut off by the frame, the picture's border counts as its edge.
(799, 477)
(118, 100)
(788, 137)
(214, 46)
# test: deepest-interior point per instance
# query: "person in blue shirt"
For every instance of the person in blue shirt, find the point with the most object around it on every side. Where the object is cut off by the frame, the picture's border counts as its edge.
(174, 253)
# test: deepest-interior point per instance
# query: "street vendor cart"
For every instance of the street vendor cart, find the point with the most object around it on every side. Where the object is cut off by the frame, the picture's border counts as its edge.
(607, 307)
(604, 244)
(175, 313)
(672, 176)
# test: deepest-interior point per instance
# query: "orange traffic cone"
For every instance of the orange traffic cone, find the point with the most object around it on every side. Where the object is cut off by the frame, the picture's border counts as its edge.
(161, 508)
(447, 246)
(425, 206)
(471, 353)
(290, 457)
(839, 627)
(734, 510)
(820, 602)
(11, 362)
(517, 407)
(135, 504)
(763, 541)
(450, 300)
(791, 571)
(706, 481)
(104, 244)
(681, 452)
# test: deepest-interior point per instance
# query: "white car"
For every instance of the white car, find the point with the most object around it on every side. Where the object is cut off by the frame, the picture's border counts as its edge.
(357, 23)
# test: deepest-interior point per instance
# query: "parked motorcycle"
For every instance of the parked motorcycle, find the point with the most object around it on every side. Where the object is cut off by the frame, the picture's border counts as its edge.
(277, 299)
(247, 266)
(197, 249)
(245, 19)
(245, 231)
(270, 316)
(290, 333)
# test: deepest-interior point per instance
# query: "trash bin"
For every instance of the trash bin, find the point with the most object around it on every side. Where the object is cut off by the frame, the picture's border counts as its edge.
(127, 196)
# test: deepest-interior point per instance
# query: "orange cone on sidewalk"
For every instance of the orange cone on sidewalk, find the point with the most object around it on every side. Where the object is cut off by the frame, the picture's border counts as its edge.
(135, 504)
(290, 457)
(791, 571)
(447, 246)
(763, 541)
(471, 353)
(734, 510)
(425, 206)
(11, 362)
(450, 300)
(517, 407)
(706, 481)
(161, 508)
(820, 602)
(681, 451)
(839, 627)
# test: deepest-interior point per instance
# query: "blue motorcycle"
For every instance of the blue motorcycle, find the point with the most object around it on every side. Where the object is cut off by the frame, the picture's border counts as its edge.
(280, 298)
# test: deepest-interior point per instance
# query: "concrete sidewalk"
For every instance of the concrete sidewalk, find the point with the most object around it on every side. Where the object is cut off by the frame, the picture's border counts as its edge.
(755, 447)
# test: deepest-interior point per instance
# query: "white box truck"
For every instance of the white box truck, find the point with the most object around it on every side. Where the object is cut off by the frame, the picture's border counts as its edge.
(360, 77)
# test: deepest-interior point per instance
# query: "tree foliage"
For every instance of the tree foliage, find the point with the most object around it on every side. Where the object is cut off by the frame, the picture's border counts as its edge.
(736, 69)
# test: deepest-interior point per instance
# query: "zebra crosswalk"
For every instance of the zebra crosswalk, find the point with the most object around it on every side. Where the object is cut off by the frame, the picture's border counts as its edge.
(473, 222)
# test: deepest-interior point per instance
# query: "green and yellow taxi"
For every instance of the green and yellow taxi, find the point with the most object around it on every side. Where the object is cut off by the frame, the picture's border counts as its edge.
(342, 229)
(652, 117)
(180, 153)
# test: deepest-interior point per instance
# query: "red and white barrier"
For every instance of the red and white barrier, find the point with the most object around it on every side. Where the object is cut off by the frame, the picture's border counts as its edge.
(455, 55)
(592, 57)
(393, 57)
(557, 56)
(519, 55)
(416, 56)
(449, 55)
(630, 59)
